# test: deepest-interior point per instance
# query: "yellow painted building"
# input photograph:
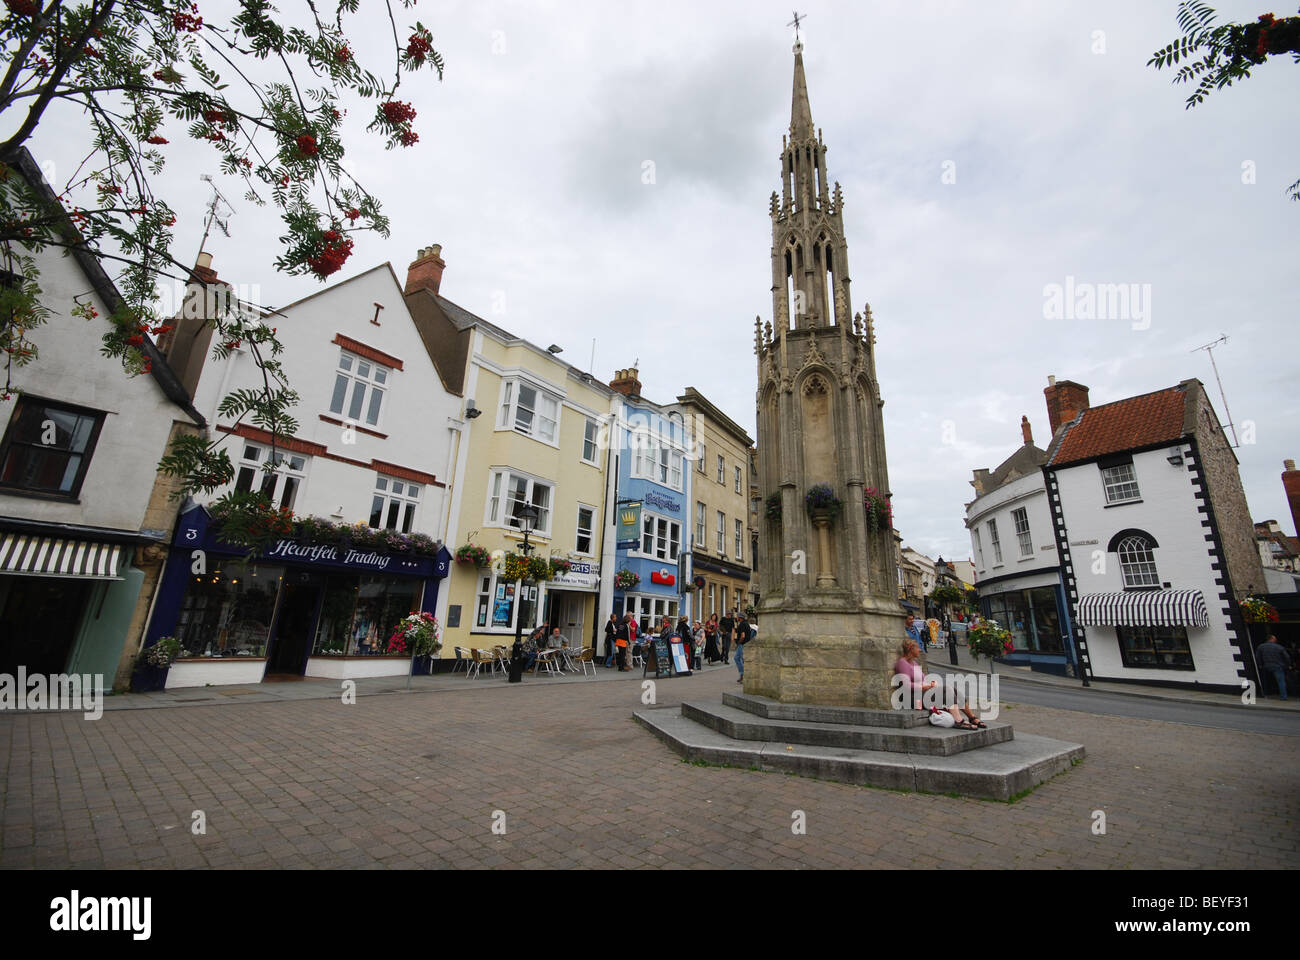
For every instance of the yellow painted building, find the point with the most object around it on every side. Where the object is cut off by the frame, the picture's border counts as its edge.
(531, 432)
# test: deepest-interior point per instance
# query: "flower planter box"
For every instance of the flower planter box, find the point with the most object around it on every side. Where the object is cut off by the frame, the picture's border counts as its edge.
(148, 679)
(215, 671)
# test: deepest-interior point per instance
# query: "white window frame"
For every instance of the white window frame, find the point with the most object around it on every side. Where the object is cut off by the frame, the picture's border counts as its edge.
(492, 581)
(279, 480)
(591, 435)
(654, 459)
(1116, 480)
(1140, 569)
(509, 407)
(591, 531)
(649, 609)
(738, 477)
(1020, 517)
(498, 496)
(722, 534)
(740, 542)
(979, 547)
(386, 489)
(671, 547)
(701, 524)
(996, 543)
(700, 464)
(377, 380)
(722, 470)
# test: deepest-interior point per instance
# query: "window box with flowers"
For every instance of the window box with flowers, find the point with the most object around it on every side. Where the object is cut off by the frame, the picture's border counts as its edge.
(472, 554)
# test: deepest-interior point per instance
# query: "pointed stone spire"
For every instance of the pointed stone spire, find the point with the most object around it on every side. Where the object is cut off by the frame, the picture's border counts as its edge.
(801, 125)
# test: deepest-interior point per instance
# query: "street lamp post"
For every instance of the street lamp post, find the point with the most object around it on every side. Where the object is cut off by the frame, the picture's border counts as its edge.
(527, 517)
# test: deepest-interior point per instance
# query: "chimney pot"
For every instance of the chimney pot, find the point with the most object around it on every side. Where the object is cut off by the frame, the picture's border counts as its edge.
(1026, 430)
(1288, 464)
(426, 270)
(204, 260)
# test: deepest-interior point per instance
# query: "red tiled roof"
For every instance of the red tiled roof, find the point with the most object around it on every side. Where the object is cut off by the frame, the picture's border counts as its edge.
(1131, 424)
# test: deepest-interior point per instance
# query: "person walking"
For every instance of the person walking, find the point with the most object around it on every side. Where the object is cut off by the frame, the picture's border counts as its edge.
(711, 652)
(622, 639)
(918, 633)
(611, 632)
(743, 635)
(727, 628)
(1273, 659)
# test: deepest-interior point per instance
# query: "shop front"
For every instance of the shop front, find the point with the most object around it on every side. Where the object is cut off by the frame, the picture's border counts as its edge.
(1033, 609)
(725, 589)
(67, 595)
(571, 602)
(300, 609)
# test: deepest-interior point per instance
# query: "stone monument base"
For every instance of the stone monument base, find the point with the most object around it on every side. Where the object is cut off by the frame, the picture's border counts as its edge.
(897, 749)
(828, 657)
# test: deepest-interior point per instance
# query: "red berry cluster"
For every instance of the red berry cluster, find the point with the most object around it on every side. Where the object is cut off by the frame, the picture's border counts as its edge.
(188, 22)
(216, 116)
(90, 51)
(353, 214)
(398, 113)
(307, 145)
(334, 252)
(343, 54)
(158, 140)
(417, 48)
(24, 8)
(409, 137)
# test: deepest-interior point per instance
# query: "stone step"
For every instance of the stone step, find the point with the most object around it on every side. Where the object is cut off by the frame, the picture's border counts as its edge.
(929, 739)
(997, 772)
(858, 716)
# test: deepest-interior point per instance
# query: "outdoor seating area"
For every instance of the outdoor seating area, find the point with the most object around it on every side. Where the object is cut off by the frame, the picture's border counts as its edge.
(550, 662)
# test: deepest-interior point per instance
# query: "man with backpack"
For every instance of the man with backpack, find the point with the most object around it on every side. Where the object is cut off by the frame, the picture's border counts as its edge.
(743, 636)
(726, 627)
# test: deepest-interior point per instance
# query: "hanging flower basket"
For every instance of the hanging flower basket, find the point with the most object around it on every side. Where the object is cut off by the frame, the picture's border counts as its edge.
(560, 565)
(519, 567)
(473, 555)
(1258, 610)
(880, 514)
(626, 580)
(987, 639)
(417, 635)
(773, 510)
(822, 502)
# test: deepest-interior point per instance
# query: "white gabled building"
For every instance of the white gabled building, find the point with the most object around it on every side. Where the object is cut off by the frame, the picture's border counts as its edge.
(1154, 537)
(1017, 572)
(378, 433)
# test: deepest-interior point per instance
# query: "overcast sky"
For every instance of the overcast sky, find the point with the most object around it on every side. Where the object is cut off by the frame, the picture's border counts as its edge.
(1072, 159)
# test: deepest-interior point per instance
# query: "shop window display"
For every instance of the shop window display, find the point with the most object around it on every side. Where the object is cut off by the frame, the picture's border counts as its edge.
(228, 613)
(359, 614)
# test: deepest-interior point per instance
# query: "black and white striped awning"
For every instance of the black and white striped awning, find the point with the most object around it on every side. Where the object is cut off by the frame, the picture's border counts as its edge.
(32, 556)
(1144, 608)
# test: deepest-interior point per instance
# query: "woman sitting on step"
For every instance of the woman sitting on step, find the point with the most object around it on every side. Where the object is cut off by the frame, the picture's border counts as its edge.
(909, 668)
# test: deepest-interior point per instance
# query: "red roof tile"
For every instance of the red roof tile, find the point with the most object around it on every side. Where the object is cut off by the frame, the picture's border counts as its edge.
(1131, 424)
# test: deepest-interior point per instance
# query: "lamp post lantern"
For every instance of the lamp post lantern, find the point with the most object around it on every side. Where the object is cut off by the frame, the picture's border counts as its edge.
(527, 518)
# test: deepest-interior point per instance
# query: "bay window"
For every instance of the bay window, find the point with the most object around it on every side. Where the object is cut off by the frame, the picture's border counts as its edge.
(661, 538)
(509, 492)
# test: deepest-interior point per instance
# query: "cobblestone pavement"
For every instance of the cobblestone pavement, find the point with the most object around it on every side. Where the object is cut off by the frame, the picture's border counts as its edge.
(413, 780)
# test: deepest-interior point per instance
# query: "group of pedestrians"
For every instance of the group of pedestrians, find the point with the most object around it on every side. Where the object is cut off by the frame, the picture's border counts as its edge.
(711, 641)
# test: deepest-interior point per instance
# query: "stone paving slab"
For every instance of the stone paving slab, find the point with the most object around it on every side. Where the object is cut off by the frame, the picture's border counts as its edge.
(932, 740)
(997, 772)
(416, 781)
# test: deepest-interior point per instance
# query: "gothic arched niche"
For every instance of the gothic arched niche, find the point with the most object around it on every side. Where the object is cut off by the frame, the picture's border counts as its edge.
(818, 428)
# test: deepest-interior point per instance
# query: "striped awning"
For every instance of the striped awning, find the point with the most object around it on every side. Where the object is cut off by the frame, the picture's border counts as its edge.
(1144, 608)
(32, 556)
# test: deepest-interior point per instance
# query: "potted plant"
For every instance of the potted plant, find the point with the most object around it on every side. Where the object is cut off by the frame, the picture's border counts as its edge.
(822, 503)
(880, 515)
(417, 635)
(152, 664)
(773, 507)
(472, 554)
(987, 639)
(560, 565)
(626, 580)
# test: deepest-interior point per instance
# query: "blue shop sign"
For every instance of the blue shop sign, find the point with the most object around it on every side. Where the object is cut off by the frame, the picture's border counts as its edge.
(194, 532)
(653, 499)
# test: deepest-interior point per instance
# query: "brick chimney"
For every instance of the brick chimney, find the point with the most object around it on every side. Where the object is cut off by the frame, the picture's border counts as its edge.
(1291, 484)
(1065, 401)
(1025, 430)
(626, 382)
(426, 270)
(187, 344)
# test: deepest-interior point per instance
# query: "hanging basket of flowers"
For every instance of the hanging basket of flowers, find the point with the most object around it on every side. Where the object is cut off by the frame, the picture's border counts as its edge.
(626, 579)
(161, 654)
(1258, 610)
(822, 502)
(773, 507)
(560, 565)
(987, 639)
(880, 514)
(539, 569)
(471, 554)
(417, 635)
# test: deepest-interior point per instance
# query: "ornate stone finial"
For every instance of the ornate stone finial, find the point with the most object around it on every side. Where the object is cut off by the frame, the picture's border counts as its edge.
(767, 331)
(758, 335)
(871, 324)
(857, 324)
(772, 207)
(839, 196)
